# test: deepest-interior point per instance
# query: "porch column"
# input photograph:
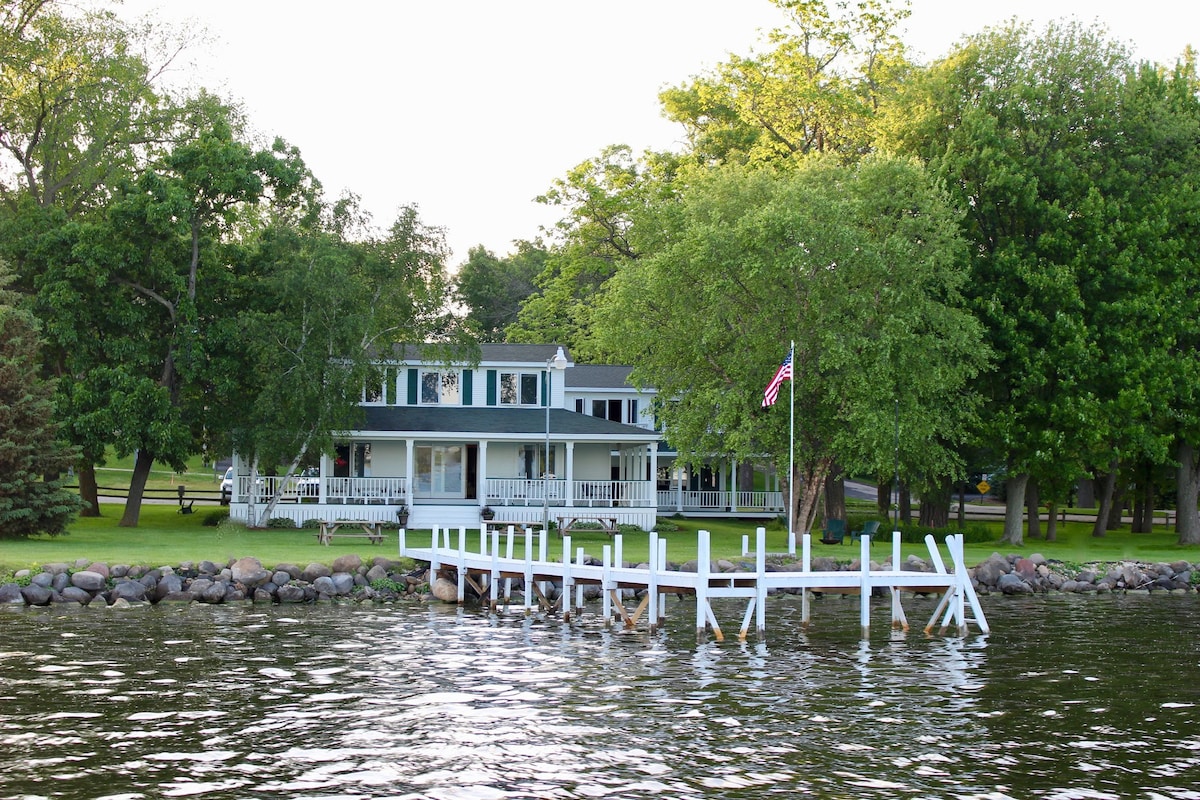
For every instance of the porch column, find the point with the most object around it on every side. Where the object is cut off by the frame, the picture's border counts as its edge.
(569, 489)
(481, 485)
(237, 470)
(410, 460)
(654, 475)
(733, 487)
(678, 486)
(322, 488)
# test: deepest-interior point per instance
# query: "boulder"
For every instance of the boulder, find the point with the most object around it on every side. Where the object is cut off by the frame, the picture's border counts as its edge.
(249, 572)
(133, 591)
(376, 573)
(445, 590)
(281, 577)
(347, 563)
(89, 581)
(36, 595)
(170, 584)
(263, 597)
(324, 585)
(76, 595)
(1012, 584)
(343, 583)
(291, 593)
(100, 568)
(314, 571)
(43, 579)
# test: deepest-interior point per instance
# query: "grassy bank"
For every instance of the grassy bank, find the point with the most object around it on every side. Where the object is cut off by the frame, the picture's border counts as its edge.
(166, 537)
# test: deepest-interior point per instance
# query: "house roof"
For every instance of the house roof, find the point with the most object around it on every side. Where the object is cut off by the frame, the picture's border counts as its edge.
(497, 353)
(599, 376)
(499, 423)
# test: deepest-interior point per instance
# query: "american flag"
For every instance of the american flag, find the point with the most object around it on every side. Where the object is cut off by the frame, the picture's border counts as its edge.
(784, 373)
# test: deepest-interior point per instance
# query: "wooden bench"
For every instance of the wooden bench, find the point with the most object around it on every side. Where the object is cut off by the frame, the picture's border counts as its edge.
(370, 530)
(588, 524)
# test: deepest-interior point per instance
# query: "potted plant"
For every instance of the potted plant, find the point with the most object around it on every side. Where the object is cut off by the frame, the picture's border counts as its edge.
(402, 516)
(487, 513)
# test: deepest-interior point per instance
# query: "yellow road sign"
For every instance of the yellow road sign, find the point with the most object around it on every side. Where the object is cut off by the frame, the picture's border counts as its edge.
(983, 487)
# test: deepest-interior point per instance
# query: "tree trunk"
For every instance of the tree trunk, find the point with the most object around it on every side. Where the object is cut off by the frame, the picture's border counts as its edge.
(279, 486)
(1087, 493)
(814, 484)
(1052, 522)
(137, 488)
(835, 493)
(1187, 517)
(962, 505)
(883, 497)
(905, 504)
(1014, 510)
(1032, 510)
(935, 506)
(745, 477)
(1107, 482)
(1143, 507)
(88, 491)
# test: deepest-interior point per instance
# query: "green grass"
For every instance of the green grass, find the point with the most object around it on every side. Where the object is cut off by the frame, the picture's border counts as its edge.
(166, 537)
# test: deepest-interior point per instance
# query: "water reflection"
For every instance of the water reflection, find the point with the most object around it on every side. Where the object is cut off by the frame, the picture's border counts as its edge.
(1060, 701)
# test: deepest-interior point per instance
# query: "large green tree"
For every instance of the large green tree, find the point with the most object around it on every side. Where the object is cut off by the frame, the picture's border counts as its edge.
(860, 266)
(1021, 127)
(491, 288)
(33, 462)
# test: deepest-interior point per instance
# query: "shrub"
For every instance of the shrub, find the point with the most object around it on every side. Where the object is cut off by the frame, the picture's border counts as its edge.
(664, 526)
(310, 524)
(214, 517)
(281, 522)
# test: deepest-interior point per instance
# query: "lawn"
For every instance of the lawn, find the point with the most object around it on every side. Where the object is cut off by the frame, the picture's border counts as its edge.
(166, 537)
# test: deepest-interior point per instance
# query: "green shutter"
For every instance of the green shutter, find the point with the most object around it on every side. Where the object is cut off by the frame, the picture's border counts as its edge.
(412, 386)
(545, 387)
(468, 384)
(491, 387)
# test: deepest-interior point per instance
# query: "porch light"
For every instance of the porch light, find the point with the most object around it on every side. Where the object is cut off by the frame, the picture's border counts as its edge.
(559, 362)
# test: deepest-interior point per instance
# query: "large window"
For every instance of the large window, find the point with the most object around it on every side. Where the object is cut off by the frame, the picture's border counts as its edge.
(440, 388)
(519, 388)
(439, 471)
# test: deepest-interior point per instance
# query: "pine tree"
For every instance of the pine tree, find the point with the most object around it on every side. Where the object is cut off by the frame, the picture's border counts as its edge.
(30, 503)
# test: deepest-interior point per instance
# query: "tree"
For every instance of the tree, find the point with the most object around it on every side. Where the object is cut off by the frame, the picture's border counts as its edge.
(325, 312)
(859, 266)
(33, 499)
(815, 90)
(492, 288)
(1021, 128)
(154, 265)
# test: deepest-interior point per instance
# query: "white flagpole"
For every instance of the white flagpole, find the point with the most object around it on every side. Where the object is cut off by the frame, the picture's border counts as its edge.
(791, 454)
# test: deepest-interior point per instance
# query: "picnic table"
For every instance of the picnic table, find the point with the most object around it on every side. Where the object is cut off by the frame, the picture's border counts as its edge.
(370, 529)
(587, 524)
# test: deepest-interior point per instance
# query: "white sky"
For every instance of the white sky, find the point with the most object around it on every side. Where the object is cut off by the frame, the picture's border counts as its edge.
(471, 108)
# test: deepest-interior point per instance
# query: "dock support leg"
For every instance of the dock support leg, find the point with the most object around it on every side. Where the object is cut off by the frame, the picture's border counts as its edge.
(864, 599)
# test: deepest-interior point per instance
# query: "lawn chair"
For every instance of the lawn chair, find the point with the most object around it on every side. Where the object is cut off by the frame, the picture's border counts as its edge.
(833, 531)
(868, 529)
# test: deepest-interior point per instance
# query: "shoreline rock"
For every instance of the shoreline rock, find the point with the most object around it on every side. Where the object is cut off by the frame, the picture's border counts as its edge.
(384, 580)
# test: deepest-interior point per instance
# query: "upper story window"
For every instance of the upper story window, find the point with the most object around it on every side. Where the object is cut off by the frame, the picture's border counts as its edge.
(519, 388)
(440, 388)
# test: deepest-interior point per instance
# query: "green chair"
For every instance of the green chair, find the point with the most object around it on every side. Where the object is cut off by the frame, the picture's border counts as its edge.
(868, 529)
(833, 531)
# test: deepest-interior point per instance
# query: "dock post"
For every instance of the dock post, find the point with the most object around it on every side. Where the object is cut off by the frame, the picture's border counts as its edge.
(494, 586)
(564, 597)
(579, 562)
(606, 586)
(864, 598)
(528, 592)
(899, 620)
(403, 546)
(462, 564)
(805, 594)
(435, 557)
(508, 553)
(652, 597)
(662, 598)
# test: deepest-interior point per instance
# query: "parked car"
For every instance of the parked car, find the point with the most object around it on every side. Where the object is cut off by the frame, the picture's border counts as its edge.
(227, 487)
(309, 482)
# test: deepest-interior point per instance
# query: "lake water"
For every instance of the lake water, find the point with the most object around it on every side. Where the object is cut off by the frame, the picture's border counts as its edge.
(1068, 697)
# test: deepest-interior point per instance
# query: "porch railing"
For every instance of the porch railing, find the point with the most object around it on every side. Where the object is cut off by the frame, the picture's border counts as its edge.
(584, 494)
(717, 500)
(387, 491)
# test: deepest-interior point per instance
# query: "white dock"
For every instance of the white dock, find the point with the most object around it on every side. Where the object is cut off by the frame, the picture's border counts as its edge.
(487, 570)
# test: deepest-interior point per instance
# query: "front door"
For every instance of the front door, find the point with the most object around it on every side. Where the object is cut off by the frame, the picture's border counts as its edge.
(440, 471)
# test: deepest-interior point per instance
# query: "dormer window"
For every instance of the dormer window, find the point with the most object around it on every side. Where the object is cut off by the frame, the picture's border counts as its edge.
(519, 388)
(440, 388)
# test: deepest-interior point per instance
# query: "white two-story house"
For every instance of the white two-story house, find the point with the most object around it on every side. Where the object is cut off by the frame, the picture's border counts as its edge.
(525, 433)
